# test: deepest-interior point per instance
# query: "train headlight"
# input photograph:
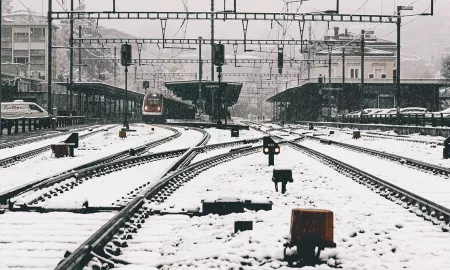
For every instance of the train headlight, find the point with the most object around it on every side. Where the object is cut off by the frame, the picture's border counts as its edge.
(159, 109)
(146, 108)
(277, 150)
(266, 150)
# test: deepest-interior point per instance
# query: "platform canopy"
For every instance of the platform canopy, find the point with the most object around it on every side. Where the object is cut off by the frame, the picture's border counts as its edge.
(105, 89)
(188, 90)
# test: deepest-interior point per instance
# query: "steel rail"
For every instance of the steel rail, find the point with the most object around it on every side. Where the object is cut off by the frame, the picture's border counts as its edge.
(412, 163)
(158, 191)
(437, 214)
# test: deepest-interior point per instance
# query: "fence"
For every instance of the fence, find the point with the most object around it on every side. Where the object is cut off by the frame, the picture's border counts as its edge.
(25, 124)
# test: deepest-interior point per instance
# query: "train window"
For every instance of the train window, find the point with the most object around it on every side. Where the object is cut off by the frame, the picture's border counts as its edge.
(153, 101)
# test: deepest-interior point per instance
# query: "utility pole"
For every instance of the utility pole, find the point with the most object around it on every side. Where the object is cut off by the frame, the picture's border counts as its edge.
(343, 68)
(399, 22)
(212, 40)
(330, 49)
(71, 60)
(1, 19)
(79, 54)
(362, 73)
(49, 57)
(200, 73)
(115, 66)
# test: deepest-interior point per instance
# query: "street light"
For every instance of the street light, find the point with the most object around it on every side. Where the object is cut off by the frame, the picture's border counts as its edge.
(399, 23)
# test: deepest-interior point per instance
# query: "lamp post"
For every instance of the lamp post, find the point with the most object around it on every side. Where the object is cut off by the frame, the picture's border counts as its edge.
(398, 89)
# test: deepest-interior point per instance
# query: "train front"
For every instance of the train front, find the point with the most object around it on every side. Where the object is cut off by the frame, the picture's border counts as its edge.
(153, 108)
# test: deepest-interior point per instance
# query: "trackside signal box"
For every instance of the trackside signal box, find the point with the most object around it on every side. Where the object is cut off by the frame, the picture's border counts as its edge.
(271, 148)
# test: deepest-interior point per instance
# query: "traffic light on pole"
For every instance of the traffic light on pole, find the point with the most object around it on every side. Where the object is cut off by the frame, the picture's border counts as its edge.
(219, 54)
(280, 60)
(126, 57)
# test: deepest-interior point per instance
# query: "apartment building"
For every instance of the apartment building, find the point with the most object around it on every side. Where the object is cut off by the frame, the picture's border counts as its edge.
(24, 41)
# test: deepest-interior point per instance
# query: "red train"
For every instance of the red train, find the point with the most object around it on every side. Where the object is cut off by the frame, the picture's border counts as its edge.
(157, 108)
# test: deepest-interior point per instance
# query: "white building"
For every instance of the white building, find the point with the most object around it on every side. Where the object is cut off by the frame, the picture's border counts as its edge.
(379, 58)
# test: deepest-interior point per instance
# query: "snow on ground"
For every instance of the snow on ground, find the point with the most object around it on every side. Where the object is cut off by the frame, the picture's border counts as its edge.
(8, 152)
(39, 241)
(432, 187)
(430, 153)
(188, 138)
(370, 231)
(224, 135)
(107, 189)
(284, 133)
(97, 146)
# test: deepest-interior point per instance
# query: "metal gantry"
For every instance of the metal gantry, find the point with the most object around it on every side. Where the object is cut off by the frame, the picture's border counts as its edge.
(228, 61)
(241, 16)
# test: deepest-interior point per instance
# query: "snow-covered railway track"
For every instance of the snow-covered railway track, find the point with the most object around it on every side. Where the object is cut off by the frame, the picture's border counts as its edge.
(9, 161)
(73, 172)
(420, 195)
(371, 233)
(128, 178)
(129, 219)
(412, 163)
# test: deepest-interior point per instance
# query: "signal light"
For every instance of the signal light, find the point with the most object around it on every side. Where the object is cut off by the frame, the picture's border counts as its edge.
(126, 57)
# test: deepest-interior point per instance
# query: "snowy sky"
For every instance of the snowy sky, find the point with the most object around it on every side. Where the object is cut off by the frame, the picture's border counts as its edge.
(256, 29)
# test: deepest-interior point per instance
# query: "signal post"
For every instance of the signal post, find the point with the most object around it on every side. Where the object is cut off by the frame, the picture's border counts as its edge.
(270, 148)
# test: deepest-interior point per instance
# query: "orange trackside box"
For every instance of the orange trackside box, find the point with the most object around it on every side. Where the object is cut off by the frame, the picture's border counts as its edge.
(311, 223)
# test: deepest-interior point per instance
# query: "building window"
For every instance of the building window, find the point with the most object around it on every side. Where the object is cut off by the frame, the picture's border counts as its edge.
(35, 32)
(21, 60)
(354, 73)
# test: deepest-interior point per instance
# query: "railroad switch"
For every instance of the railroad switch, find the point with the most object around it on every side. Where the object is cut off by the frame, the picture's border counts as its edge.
(310, 229)
(282, 176)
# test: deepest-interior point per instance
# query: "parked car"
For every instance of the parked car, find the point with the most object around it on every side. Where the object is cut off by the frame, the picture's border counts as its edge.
(20, 108)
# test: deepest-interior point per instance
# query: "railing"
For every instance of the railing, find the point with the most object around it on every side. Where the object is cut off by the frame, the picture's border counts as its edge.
(27, 124)
(433, 120)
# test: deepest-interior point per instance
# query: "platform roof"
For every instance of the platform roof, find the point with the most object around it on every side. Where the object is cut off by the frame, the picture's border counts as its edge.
(103, 89)
(188, 90)
(290, 93)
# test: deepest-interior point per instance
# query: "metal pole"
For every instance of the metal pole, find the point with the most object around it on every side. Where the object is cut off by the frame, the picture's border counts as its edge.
(71, 59)
(362, 73)
(399, 21)
(125, 122)
(1, 19)
(200, 72)
(212, 40)
(115, 67)
(79, 54)
(329, 65)
(49, 56)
